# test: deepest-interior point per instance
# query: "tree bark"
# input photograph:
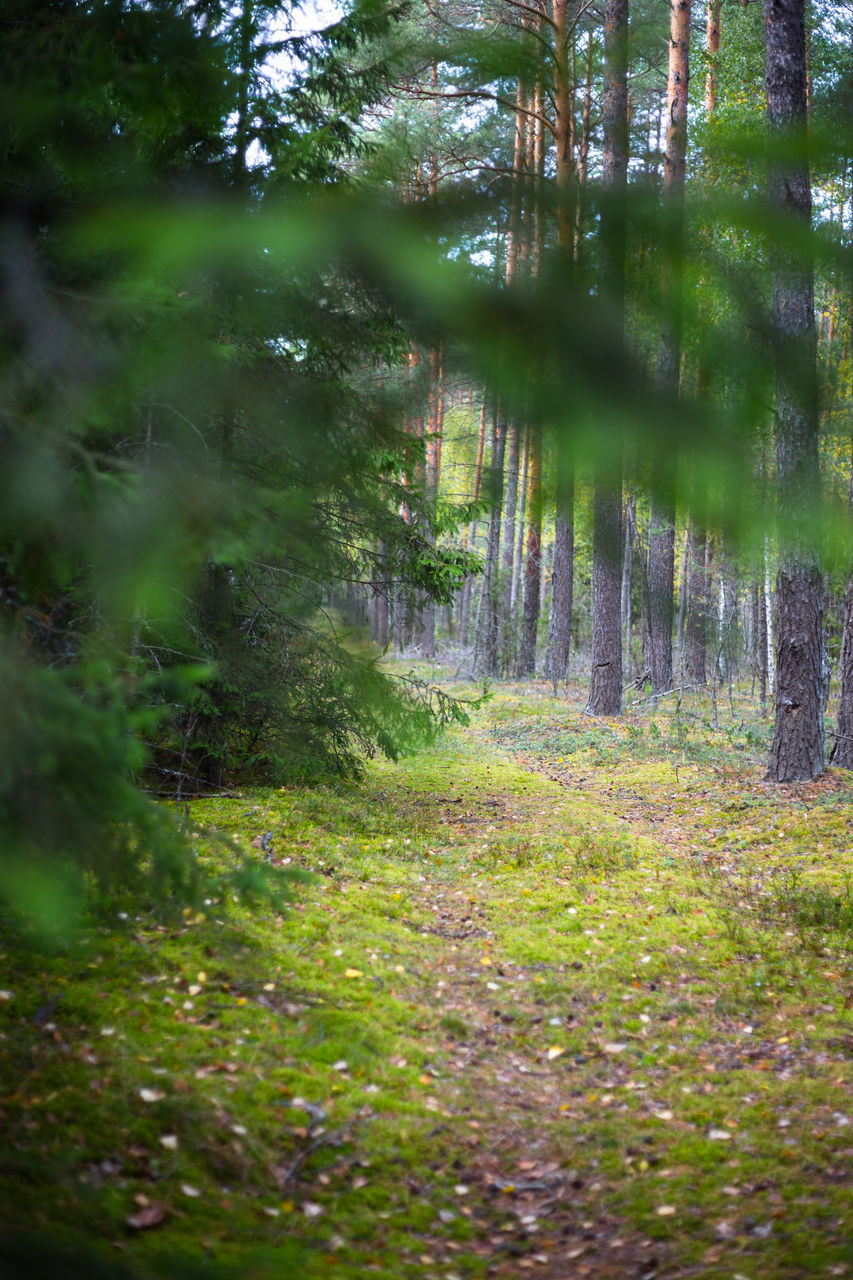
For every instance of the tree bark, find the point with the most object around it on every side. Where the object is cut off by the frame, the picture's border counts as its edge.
(563, 125)
(712, 48)
(560, 616)
(432, 475)
(521, 509)
(842, 752)
(797, 750)
(469, 536)
(486, 648)
(513, 468)
(626, 589)
(605, 692)
(662, 522)
(533, 564)
(697, 608)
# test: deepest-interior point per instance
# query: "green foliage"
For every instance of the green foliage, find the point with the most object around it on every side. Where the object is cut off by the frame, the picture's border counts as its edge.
(192, 457)
(71, 818)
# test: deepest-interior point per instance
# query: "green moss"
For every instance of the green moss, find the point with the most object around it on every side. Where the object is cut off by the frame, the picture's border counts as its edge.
(502, 954)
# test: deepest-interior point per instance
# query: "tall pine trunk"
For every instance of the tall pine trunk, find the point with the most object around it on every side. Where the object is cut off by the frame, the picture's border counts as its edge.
(605, 690)
(662, 523)
(533, 564)
(695, 639)
(560, 616)
(797, 750)
(469, 536)
(842, 752)
(486, 647)
(432, 476)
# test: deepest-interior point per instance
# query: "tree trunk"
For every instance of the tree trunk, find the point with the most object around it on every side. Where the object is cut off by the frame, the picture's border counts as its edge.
(697, 608)
(382, 609)
(681, 619)
(469, 537)
(583, 151)
(521, 510)
(486, 648)
(661, 575)
(797, 750)
(842, 752)
(513, 468)
(626, 594)
(533, 565)
(761, 645)
(563, 126)
(662, 522)
(605, 692)
(560, 617)
(432, 475)
(712, 49)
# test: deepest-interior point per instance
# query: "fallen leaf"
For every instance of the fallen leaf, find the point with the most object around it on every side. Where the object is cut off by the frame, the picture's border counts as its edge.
(720, 1135)
(555, 1052)
(151, 1216)
(353, 973)
(169, 1141)
(312, 1210)
(665, 1210)
(192, 1192)
(151, 1095)
(615, 1048)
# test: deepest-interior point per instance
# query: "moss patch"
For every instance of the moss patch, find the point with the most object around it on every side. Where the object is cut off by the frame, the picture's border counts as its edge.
(556, 996)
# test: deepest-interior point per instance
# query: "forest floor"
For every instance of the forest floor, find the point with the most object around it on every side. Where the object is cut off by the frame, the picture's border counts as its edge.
(558, 997)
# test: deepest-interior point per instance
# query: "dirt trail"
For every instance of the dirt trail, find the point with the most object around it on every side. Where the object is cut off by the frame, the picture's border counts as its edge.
(542, 1210)
(541, 1204)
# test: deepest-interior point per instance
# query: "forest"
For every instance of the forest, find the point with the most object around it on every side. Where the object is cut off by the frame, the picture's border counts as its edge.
(426, 638)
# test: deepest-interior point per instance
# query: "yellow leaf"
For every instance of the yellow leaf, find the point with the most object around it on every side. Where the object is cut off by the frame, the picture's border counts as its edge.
(555, 1052)
(353, 973)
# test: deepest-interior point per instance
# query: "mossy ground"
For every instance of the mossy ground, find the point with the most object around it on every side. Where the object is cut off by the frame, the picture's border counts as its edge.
(560, 996)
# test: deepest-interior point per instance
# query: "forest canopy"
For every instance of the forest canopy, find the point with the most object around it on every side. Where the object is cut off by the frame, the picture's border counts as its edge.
(483, 321)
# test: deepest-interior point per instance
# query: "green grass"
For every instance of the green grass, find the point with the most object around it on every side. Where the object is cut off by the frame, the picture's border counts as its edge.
(555, 989)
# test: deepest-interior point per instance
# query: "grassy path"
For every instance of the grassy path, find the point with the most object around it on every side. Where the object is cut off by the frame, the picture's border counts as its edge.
(560, 998)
